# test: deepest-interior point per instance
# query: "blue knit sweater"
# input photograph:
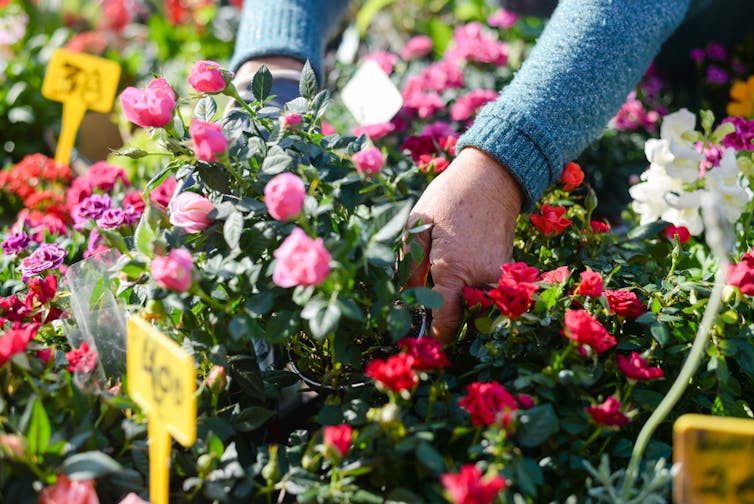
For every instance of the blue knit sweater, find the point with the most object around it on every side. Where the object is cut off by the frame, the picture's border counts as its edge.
(590, 55)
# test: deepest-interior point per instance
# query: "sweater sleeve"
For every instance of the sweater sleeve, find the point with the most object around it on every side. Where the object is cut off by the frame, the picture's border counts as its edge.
(588, 58)
(295, 28)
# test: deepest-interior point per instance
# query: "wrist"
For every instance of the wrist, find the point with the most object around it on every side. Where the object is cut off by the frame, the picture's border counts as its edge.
(498, 177)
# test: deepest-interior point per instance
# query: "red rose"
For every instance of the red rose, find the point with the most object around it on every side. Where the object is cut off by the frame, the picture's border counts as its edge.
(599, 226)
(396, 373)
(636, 367)
(467, 486)
(572, 176)
(476, 298)
(427, 353)
(590, 284)
(15, 341)
(551, 222)
(581, 327)
(489, 404)
(164, 192)
(82, 359)
(681, 232)
(625, 303)
(556, 276)
(432, 164)
(512, 297)
(338, 437)
(741, 275)
(525, 401)
(608, 413)
(520, 272)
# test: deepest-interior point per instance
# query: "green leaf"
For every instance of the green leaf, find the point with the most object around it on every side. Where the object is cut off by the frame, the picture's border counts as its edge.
(529, 476)
(329, 415)
(252, 418)
(367, 11)
(395, 225)
(537, 424)
(325, 320)
(259, 304)
(660, 333)
(431, 458)
(308, 84)
(205, 109)
(380, 254)
(403, 496)
(38, 433)
(282, 325)
(232, 229)
(114, 239)
(245, 370)
(399, 322)
(90, 465)
(239, 327)
(721, 132)
(213, 177)
(144, 236)
(261, 83)
(276, 161)
(425, 297)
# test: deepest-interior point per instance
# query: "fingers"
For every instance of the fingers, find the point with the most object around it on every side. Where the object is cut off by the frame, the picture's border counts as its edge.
(419, 271)
(447, 319)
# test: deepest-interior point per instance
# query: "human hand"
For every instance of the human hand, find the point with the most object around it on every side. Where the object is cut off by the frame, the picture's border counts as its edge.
(472, 207)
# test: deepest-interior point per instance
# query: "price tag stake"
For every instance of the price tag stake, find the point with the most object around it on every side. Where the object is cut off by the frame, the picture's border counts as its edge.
(162, 380)
(81, 82)
(714, 457)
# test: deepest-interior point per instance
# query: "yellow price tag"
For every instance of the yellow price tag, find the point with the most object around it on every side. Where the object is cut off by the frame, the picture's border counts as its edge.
(714, 455)
(162, 380)
(81, 82)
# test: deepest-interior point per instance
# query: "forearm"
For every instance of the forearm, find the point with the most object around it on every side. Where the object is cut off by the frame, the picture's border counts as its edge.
(297, 29)
(590, 55)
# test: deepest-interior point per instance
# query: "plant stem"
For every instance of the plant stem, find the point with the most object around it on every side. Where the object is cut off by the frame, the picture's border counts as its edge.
(682, 381)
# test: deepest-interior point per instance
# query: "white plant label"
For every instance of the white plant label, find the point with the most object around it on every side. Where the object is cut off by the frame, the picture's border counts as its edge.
(371, 96)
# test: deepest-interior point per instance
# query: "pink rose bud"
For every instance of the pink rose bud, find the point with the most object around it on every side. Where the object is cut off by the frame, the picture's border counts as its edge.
(300, 261)
(416, 47)
(216, 379)
(132, 498)
(368, 161)
(150, 107)
(44, 354)
(173, 271)
(284, 196)
(208, 77)
(287, 121)
(12, 446)
(208, 140)
(339, 437)
(67, 490)
(190, 212)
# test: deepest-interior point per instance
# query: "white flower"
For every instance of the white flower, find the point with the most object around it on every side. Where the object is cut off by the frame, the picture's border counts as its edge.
(676, 124)
(649, 196)
(683, 210)
(726, 181)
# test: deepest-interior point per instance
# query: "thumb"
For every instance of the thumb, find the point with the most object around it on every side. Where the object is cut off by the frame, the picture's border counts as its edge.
(447, 319)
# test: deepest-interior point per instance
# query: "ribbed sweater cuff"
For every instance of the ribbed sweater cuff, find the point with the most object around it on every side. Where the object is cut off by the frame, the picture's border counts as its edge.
(517, 143)
(272, 30)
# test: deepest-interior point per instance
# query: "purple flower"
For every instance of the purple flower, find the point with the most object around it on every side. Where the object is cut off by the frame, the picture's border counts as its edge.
(112, 218)
(90, 207)
(741, 139)
(716, 75)
(16, 243)
(716, 51)
(47, 256)
(697, 55)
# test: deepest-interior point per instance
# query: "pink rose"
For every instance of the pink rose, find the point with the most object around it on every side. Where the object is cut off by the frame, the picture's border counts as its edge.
(301, 260)
(608, 413)
(66, 490)
(284, 196)
(208, 140)
(288, 121)
(368, 161)
(384, 59)
(207, 77)
(190, 212)
(216, 379)
(150, 107)
(416, 47)
(132, 498)
(173, 271)
(338, 437)
(636, 367)
(12, 446)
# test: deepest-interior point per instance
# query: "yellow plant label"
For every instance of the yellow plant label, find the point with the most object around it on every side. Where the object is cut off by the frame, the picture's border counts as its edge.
(715, 460)
(162, 379)
(81, 82)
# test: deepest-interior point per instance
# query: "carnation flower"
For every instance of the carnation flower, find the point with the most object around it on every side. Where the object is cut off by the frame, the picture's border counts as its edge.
(608, 413)
(82, 359)
(15, 340)
(46, 257)
(416, 47)
(16, 243)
